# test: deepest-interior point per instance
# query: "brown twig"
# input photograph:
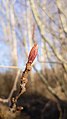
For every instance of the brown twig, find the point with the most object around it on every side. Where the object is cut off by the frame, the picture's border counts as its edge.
(24, 80)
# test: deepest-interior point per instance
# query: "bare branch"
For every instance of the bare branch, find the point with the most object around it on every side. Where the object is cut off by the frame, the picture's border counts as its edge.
(41, 28)
(9, 67)
(14, 85)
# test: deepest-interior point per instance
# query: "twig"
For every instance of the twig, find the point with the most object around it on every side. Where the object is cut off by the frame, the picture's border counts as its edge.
(14, 86)
(10, 67)
(12, 91)
(24, 76)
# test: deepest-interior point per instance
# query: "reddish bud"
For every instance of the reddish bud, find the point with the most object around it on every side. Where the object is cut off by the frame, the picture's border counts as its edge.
(33, 53)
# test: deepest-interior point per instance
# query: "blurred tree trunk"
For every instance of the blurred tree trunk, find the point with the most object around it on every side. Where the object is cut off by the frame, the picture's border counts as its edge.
(14, 39)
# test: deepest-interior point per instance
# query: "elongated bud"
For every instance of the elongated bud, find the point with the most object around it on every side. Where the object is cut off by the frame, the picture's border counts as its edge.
(33, 53)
